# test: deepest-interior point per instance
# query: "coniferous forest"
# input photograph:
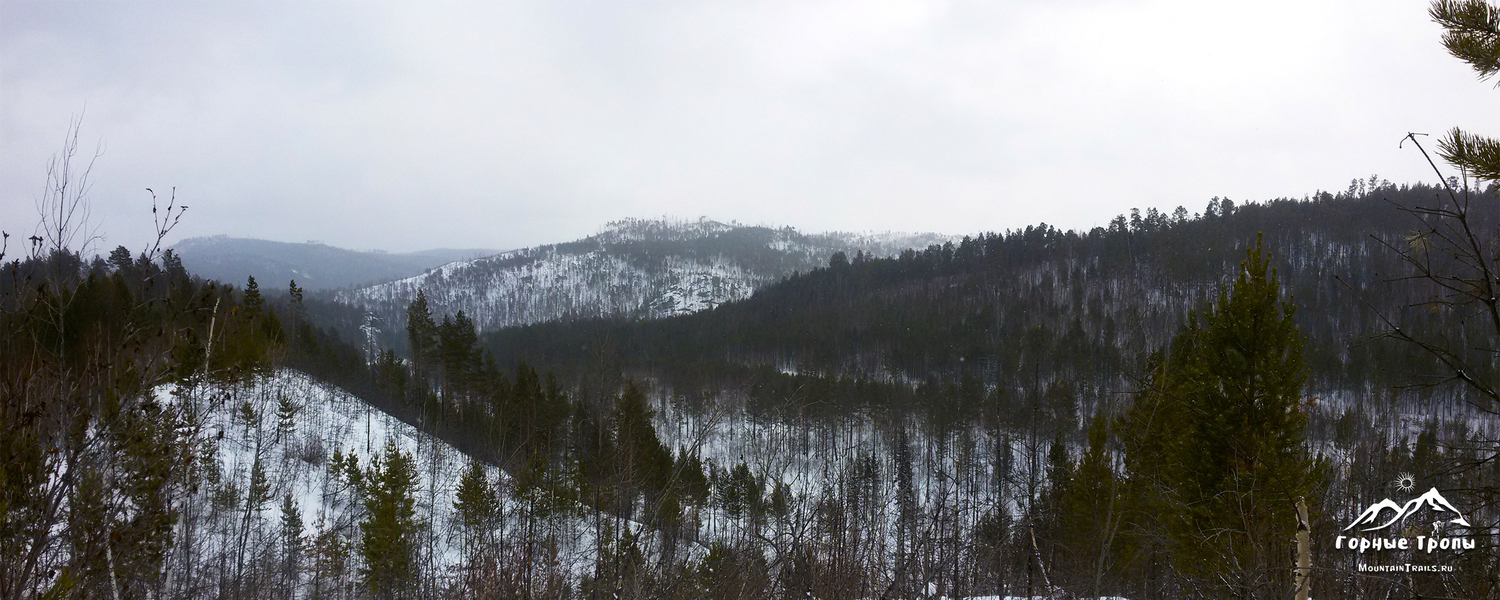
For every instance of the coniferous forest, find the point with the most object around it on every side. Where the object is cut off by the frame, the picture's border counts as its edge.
(1246, 400)
(1132, 411)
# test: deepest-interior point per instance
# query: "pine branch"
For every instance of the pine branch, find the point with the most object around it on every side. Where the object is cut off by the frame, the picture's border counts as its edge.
(1472, 33)
(1476, 155)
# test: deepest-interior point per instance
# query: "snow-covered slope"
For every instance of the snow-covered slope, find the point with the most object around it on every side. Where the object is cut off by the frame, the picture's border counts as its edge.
(300, 432)
(249, 424)
(633, 269)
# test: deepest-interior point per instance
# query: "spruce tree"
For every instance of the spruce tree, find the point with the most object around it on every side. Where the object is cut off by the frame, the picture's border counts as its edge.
(253, 302)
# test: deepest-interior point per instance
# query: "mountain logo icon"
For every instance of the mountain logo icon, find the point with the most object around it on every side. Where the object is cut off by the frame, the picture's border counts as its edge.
(1370, 519)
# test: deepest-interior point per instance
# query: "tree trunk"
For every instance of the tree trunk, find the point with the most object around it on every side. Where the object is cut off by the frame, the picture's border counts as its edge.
(1304, 553)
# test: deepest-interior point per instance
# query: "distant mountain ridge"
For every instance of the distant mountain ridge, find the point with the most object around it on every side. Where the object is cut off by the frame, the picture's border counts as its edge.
(313, 265)
(633, 268)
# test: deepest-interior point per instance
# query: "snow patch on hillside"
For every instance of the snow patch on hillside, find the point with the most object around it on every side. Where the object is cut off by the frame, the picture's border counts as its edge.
(545, 284)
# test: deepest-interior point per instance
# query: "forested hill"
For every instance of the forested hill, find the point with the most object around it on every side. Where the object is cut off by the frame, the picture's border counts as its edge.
(1023, 308)
(634, 268)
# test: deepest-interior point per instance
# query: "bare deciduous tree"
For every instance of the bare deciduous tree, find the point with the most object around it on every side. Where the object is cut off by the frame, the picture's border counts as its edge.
(64, 207)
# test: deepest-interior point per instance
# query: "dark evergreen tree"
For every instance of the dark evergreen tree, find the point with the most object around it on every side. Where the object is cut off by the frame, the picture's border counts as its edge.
(389, 532)
(647, 463)
(477, 504)
(421, 335)
(1090, 514)
(253, 302)
(906, 509)
(291, 547)
(286, 417)
(1226, 451)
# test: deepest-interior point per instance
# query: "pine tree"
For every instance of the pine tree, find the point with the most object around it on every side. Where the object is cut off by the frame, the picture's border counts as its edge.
(1059, 479)
(120, 260)
(641, 452)
(740, 492)
(691, 477)
(286, 417)
(257, 493)
(389, 531)
(421, 334)
(1090, 511)
(906, 508)
(331, 564)
(291, 545)
(1045, 518)
(476, 504)
(295, 293)
(1220, 436)
(260, 486)
(298, 309)
(390, 374)
(457, 347)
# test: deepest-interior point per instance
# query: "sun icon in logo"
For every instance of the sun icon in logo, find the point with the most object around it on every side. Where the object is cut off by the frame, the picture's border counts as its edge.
(1405, 482)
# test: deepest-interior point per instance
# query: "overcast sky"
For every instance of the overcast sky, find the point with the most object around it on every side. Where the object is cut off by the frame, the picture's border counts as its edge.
(415, 125)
